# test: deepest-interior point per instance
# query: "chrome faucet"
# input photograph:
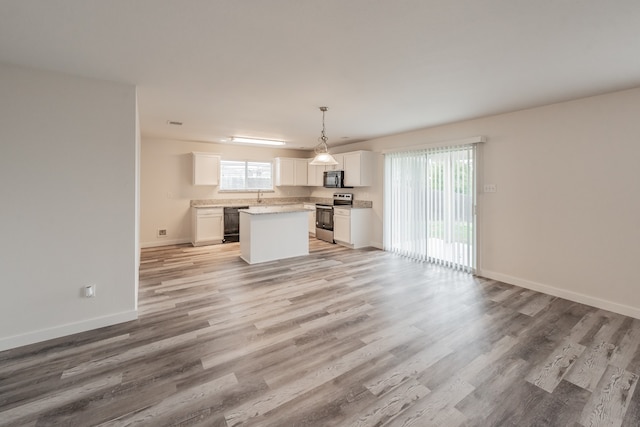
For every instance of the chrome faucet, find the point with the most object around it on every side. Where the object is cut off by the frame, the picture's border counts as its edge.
(259, 199)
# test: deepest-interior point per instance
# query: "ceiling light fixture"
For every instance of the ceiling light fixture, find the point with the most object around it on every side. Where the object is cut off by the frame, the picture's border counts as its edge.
(322, 149)
(244, 140)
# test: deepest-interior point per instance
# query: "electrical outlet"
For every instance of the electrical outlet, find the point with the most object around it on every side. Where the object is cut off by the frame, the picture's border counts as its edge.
(162, 232)
(490, 188)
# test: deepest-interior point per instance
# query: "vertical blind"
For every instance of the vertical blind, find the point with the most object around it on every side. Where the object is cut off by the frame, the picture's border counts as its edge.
(430, 205)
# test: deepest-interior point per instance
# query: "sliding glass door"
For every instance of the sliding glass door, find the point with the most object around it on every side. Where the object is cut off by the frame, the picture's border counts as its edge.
(430, 205)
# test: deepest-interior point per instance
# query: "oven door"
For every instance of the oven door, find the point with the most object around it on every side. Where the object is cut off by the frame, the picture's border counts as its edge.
(324, 223)
(324, 217)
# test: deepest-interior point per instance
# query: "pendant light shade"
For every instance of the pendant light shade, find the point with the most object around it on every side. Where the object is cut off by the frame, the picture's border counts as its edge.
(323, 157)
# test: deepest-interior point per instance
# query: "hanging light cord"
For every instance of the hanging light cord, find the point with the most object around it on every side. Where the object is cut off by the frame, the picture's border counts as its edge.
(322, 147)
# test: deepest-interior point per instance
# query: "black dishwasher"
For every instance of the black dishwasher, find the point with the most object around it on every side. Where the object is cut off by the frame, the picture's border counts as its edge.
(232, 223)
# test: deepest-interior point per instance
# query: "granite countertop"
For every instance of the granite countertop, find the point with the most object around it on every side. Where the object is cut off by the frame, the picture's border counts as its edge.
(263, 210)
(272, 201)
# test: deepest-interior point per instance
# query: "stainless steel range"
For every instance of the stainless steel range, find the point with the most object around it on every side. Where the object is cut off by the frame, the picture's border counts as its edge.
(324, 215)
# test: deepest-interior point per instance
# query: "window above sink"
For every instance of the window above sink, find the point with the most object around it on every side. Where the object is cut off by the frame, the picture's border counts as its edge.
(245, 175)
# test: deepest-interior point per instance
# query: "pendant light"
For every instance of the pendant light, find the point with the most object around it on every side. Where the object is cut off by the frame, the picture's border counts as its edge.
(322, 149)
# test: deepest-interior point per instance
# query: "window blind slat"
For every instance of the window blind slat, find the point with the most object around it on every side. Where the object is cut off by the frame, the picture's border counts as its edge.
(429, 202)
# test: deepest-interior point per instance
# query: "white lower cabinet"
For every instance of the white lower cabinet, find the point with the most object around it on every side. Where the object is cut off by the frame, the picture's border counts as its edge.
(207, 226)
(351, 227)
(312, 218)
(341, 225)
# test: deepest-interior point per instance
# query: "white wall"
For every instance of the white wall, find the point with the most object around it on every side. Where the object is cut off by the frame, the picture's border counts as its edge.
(167, 188)
(68, 204)
(565, 219)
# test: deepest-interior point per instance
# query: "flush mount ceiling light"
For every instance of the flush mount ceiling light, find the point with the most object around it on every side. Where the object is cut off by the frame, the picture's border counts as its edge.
(241, 139)
(322, 149)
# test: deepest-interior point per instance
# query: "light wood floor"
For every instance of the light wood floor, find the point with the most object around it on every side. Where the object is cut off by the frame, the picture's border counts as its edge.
(339, 338)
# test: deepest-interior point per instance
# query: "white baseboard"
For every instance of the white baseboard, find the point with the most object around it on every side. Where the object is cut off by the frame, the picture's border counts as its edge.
(68, 329)
(164, 242)
(563, 293)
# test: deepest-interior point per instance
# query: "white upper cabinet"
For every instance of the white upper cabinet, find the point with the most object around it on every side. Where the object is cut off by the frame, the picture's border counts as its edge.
(358, 168)
(206, 169)
(291, 171)
(300, 171)
(284, 171)
(315, 174)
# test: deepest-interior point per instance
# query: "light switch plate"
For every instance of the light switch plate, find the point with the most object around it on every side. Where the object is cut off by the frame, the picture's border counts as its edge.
(90, 291)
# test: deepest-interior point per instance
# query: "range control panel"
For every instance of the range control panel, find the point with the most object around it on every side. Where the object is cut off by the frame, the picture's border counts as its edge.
(342, 199)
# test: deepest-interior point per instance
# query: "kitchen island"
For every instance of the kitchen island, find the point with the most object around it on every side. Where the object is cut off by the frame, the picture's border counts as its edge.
(269, 233)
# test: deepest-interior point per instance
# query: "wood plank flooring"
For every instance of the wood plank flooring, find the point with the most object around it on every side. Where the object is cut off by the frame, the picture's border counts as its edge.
(339, 338)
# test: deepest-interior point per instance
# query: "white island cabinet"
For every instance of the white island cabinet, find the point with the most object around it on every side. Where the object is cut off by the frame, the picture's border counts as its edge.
(269, 233)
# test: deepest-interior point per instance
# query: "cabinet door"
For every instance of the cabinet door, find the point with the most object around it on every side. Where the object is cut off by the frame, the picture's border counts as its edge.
(315, 175)
(358, 169)
(342, 228)
(206, 169)
(285, 171)
(301, 172)
(352, 169)
(207, 226)
(210, 228)
(311, 174)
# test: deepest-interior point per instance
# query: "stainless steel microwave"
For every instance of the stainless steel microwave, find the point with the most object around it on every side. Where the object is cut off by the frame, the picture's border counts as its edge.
(333, 179)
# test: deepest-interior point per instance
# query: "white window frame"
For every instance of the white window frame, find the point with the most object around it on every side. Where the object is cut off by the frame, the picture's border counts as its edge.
(247, 163)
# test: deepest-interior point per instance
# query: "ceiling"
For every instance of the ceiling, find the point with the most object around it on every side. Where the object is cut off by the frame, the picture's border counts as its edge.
(262, 68)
